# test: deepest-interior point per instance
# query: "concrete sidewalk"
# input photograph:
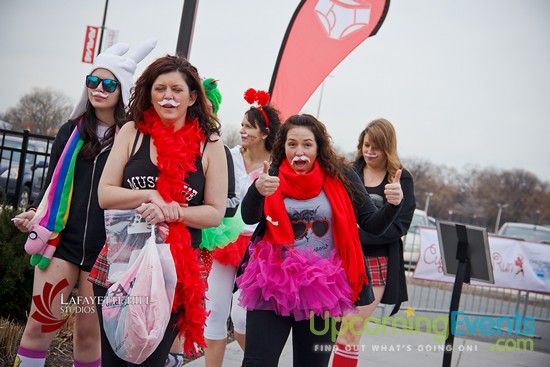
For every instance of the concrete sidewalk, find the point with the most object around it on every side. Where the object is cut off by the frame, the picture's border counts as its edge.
(419, 350)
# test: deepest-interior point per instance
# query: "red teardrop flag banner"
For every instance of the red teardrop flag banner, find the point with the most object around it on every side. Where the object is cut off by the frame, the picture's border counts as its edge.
(320, 35)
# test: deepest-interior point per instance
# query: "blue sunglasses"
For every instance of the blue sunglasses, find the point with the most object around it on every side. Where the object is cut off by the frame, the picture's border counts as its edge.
(109, 85)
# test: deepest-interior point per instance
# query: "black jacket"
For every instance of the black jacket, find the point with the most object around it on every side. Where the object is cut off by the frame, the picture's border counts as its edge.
(391, 241)
(84, 233)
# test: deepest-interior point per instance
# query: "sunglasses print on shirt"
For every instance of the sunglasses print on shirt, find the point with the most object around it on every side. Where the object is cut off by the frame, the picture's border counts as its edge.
(319, 227)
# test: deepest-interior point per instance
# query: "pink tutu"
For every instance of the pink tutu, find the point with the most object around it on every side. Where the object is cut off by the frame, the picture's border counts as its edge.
(295, 283)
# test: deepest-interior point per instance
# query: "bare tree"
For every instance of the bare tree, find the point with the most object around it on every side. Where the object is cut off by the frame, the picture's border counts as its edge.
(473, 196)
(40, 111)
(522, 191)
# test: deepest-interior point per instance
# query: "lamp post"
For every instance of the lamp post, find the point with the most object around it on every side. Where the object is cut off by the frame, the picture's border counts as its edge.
(321, 95)
(428, 196)
(500, 207)
(102, 27)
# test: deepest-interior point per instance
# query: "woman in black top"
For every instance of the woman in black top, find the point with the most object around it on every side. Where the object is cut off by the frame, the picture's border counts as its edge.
(169, 163)
(376, 164)
(97, 118)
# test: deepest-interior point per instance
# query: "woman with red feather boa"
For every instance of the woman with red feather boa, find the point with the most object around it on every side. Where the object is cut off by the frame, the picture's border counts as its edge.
(169, 163)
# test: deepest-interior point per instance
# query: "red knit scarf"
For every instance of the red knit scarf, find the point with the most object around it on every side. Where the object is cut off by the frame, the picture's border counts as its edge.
(344, 223)
(177, 152)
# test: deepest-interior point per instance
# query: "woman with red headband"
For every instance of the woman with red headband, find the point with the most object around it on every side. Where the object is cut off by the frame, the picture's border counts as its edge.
(258, 129)
(305, 263)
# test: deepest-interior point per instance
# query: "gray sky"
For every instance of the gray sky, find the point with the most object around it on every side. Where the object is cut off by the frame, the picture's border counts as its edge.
(464, 82)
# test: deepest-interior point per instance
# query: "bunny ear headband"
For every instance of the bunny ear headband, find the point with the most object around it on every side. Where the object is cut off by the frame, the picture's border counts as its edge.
(121, 65)
(258, 99)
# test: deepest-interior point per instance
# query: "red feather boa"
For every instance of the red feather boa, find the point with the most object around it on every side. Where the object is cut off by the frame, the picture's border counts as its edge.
(177, 152)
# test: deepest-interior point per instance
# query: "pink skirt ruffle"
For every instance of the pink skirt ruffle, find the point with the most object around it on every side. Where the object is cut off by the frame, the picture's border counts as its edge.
(296, 283)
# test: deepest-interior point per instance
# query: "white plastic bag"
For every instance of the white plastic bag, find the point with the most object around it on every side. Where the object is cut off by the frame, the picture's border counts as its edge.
(126, 233)
(137, 308)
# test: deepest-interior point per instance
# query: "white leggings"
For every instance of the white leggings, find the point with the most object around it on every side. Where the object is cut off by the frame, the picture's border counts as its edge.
(220, 300)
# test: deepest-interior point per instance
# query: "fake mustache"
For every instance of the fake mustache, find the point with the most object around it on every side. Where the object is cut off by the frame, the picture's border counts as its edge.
(170, 102)
(300, 158)
(101, 94)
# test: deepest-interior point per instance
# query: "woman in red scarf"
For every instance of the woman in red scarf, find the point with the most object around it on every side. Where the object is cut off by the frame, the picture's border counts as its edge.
(305, 263)
(169, 163)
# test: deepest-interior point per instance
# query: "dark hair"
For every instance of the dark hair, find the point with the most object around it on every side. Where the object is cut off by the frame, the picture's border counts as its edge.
(256, 118)
(140, 100)
(88, 130)
(331, 163)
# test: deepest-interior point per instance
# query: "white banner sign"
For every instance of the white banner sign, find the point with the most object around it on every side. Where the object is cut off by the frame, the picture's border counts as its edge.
(110, 38)
(516, 264)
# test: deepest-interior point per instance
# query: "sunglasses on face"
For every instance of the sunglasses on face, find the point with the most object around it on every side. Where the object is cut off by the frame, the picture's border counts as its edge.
(319, 227)
(109, 85)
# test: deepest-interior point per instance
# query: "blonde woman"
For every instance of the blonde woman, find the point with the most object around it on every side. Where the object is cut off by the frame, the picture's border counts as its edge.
(376, 163)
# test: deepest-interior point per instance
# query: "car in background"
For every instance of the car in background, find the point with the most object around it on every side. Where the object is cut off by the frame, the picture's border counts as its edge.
(525, 231)
(411, 241)
(35, 168)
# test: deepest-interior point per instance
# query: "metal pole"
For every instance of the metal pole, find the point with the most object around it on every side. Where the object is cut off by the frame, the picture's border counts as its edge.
(498, 218)
(500, 207)
(428, 196)
(321, 95)
(20, 174)
(102, 27)
(185, 38)
(320, 99)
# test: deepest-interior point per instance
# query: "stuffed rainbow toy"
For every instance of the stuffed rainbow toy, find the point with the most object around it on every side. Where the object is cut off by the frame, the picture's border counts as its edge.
(53, 211)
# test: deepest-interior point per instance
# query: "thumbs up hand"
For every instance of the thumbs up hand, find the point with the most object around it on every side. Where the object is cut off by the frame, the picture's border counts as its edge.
(393, 192)
(266, 184)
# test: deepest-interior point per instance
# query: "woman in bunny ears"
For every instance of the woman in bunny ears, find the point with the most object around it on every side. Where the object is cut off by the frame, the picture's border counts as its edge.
(258, 130)
(67, 232)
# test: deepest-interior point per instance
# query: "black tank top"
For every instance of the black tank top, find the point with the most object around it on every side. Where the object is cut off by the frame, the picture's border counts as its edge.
(140, 174)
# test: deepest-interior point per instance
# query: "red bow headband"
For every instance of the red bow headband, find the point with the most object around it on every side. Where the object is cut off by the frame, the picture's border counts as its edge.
(258, 98)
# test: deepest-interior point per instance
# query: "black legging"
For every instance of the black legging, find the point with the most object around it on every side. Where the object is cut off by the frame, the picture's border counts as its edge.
(267, 333)
(158, 358)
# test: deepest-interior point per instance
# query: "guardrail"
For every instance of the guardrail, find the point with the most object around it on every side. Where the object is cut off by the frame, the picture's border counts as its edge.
(15, 148)
(434, 296)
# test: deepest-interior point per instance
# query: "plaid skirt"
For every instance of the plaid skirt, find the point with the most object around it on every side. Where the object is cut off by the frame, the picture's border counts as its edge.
(378, 267)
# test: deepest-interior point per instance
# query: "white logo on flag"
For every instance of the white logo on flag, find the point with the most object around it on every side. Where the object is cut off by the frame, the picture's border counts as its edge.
(340, 18)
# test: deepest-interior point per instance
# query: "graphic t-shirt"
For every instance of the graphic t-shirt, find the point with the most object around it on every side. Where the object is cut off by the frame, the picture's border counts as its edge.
(311, 222)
